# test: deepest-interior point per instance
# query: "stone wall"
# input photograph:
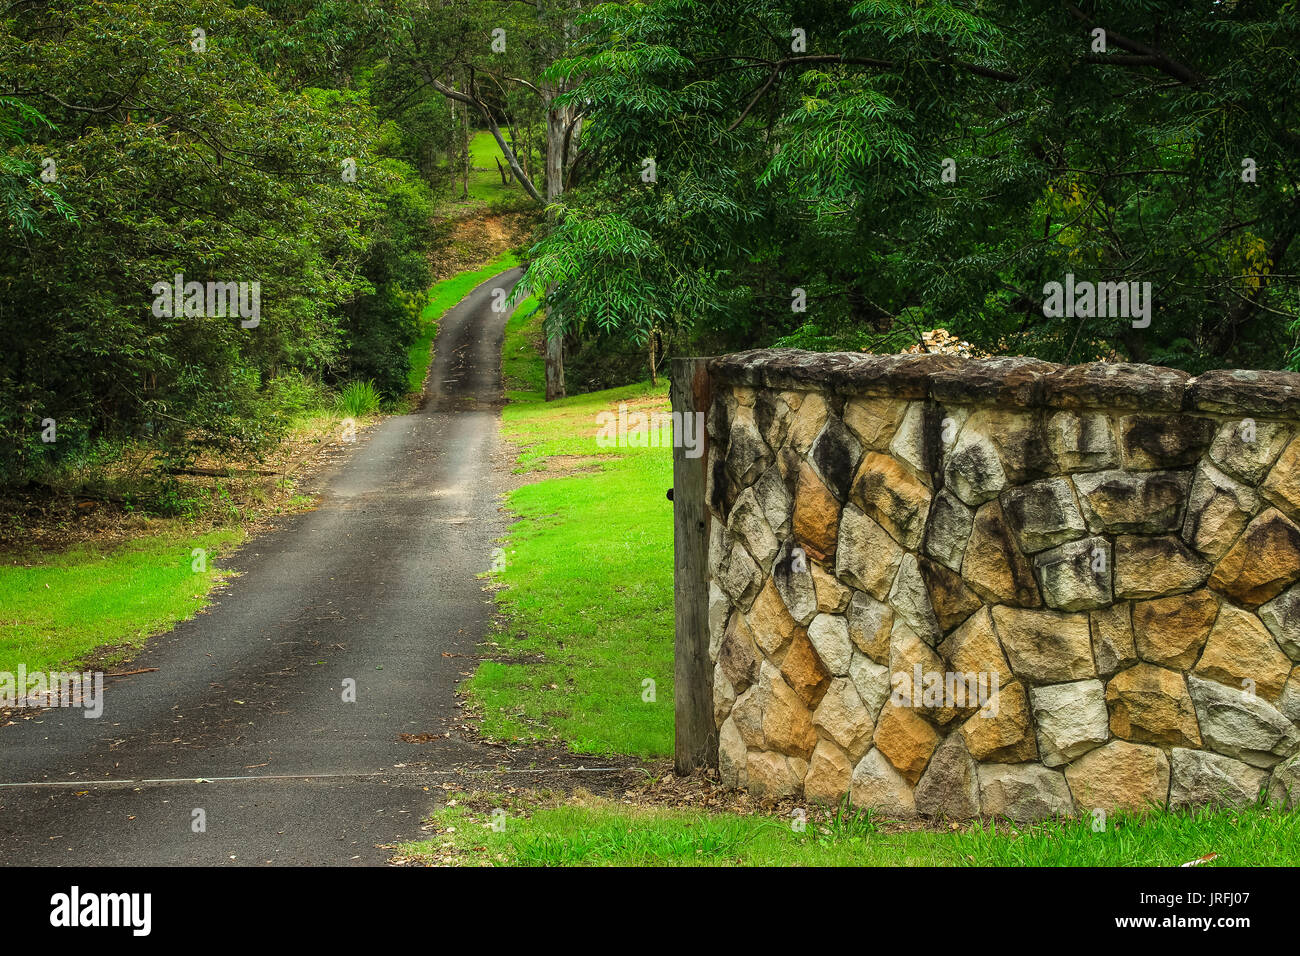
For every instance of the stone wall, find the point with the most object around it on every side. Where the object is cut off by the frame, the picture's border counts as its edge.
(1104, 557)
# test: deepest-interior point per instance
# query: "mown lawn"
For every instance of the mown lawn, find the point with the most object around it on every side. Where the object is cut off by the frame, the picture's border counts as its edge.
(589, 831)
(586, 658)
(57, 609)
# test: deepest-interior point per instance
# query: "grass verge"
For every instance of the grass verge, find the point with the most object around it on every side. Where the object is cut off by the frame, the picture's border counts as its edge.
(586, 656)
(541, 829)
(59, 609)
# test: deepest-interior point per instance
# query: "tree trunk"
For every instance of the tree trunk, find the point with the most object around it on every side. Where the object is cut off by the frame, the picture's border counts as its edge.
(465, 154)
(557, 120)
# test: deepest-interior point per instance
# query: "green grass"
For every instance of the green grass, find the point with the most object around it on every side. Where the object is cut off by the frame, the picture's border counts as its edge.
(1251, 836)
(588, 575)
(524, 375)
(586, 831)
(442, 297)
(484, 179)
(58, 609)
(359, 399)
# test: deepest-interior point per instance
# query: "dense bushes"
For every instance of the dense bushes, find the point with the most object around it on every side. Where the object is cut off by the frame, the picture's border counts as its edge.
(176, 140)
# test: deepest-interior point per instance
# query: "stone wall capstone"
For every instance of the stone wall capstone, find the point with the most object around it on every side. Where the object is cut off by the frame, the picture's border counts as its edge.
(1002, 587)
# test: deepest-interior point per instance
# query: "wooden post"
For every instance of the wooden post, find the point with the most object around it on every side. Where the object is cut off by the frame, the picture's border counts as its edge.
(696, 743)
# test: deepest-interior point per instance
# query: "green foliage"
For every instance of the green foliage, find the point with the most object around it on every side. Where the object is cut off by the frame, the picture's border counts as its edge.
(224, 162)
(822, 169)
(359, 399)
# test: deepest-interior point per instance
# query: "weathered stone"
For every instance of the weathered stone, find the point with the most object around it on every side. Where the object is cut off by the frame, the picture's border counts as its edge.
(1246, 449)
(786, 714)
(733, 760)
(772, 415)
(1076, 575)
(774, 776)
(816, 515)
(948, 530)
(1201, 778)
(724, 696)
(1172, 631)
(776, 500)
(906, 739)
(1013, 380)
(830, 775)
(1042, 514)
(842, 717)
(1218, 510)
(1163, 441)
(909, 442)
(1115, 385)
(807, 423)
(832, 597)
(1150, 704)
(910, 600)
(1236, 391)
(1001, 731)
(1241, 725)
(804, 671)
(1284, 784)
(1282, 617)
(737, 573)
(1119, 502)
(1241, 652)
(1154, 566)
(949, 787)
(738, 657)
(792, 575)
(747, 454)
(835, 453)
(878, 786)
(993, 566)
(1262, 563)
(1021, 439)
(1282, 486)
(1025, 793)
(1071, 720)
(973, 648)
(867, 557)
(952, 601)
(747, 524)
(1119, 776)
(908, 657)
(1289, 703)
(890, 494)
(874, 420)
(973, 471)
(1045, 647)
(870, 623)
(770, 623)
(1082, 441)
(872, 683)
(829, 634)
(1112, 638)
(719, 613)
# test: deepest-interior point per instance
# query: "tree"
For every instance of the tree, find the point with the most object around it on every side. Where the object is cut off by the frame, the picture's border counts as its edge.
(898, 166)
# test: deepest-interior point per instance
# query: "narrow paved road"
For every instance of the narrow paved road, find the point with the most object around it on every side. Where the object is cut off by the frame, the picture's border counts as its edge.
(378, 584)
